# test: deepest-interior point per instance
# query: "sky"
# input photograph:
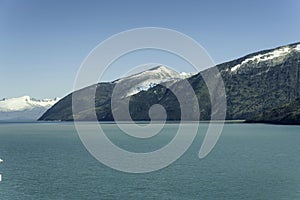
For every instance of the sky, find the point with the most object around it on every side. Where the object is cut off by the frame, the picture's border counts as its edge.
(43, 43)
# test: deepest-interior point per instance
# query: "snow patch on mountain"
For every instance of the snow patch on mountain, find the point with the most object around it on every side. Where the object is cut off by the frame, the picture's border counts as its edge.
(277, 53)
(297, 48)
(145, 80)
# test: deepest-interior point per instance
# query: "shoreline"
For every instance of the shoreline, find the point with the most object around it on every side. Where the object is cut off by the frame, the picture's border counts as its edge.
(126, 122)
(155, 122)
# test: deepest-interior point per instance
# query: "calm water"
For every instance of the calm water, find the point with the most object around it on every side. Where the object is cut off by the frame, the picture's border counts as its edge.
(48, 161)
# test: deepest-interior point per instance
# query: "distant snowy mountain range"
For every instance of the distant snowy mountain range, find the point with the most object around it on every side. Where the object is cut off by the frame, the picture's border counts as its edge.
(24, 108)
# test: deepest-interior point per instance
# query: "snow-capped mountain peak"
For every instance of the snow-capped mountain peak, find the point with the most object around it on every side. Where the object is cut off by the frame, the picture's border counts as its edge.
(145, 80)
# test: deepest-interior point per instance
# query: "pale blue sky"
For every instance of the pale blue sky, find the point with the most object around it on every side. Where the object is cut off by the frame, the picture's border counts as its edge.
(42, 43)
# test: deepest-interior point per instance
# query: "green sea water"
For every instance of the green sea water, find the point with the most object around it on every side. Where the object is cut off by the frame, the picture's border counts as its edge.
(250, 161)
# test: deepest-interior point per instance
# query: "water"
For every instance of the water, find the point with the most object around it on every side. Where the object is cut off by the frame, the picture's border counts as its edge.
(48, 161)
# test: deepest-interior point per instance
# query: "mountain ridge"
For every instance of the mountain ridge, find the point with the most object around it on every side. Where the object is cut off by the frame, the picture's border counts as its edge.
(269, 78)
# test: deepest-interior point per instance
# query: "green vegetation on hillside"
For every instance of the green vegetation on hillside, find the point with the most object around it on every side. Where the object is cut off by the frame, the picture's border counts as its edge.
(286, 114)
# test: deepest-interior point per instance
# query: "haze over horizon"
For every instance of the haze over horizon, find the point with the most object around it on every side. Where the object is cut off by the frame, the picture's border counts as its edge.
(42, 44)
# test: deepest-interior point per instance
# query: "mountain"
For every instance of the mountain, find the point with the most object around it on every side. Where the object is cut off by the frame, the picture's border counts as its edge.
(262, 81)
(24, 108)
(127, 87)
(286, 114)
(254, 83)
(147, 79)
